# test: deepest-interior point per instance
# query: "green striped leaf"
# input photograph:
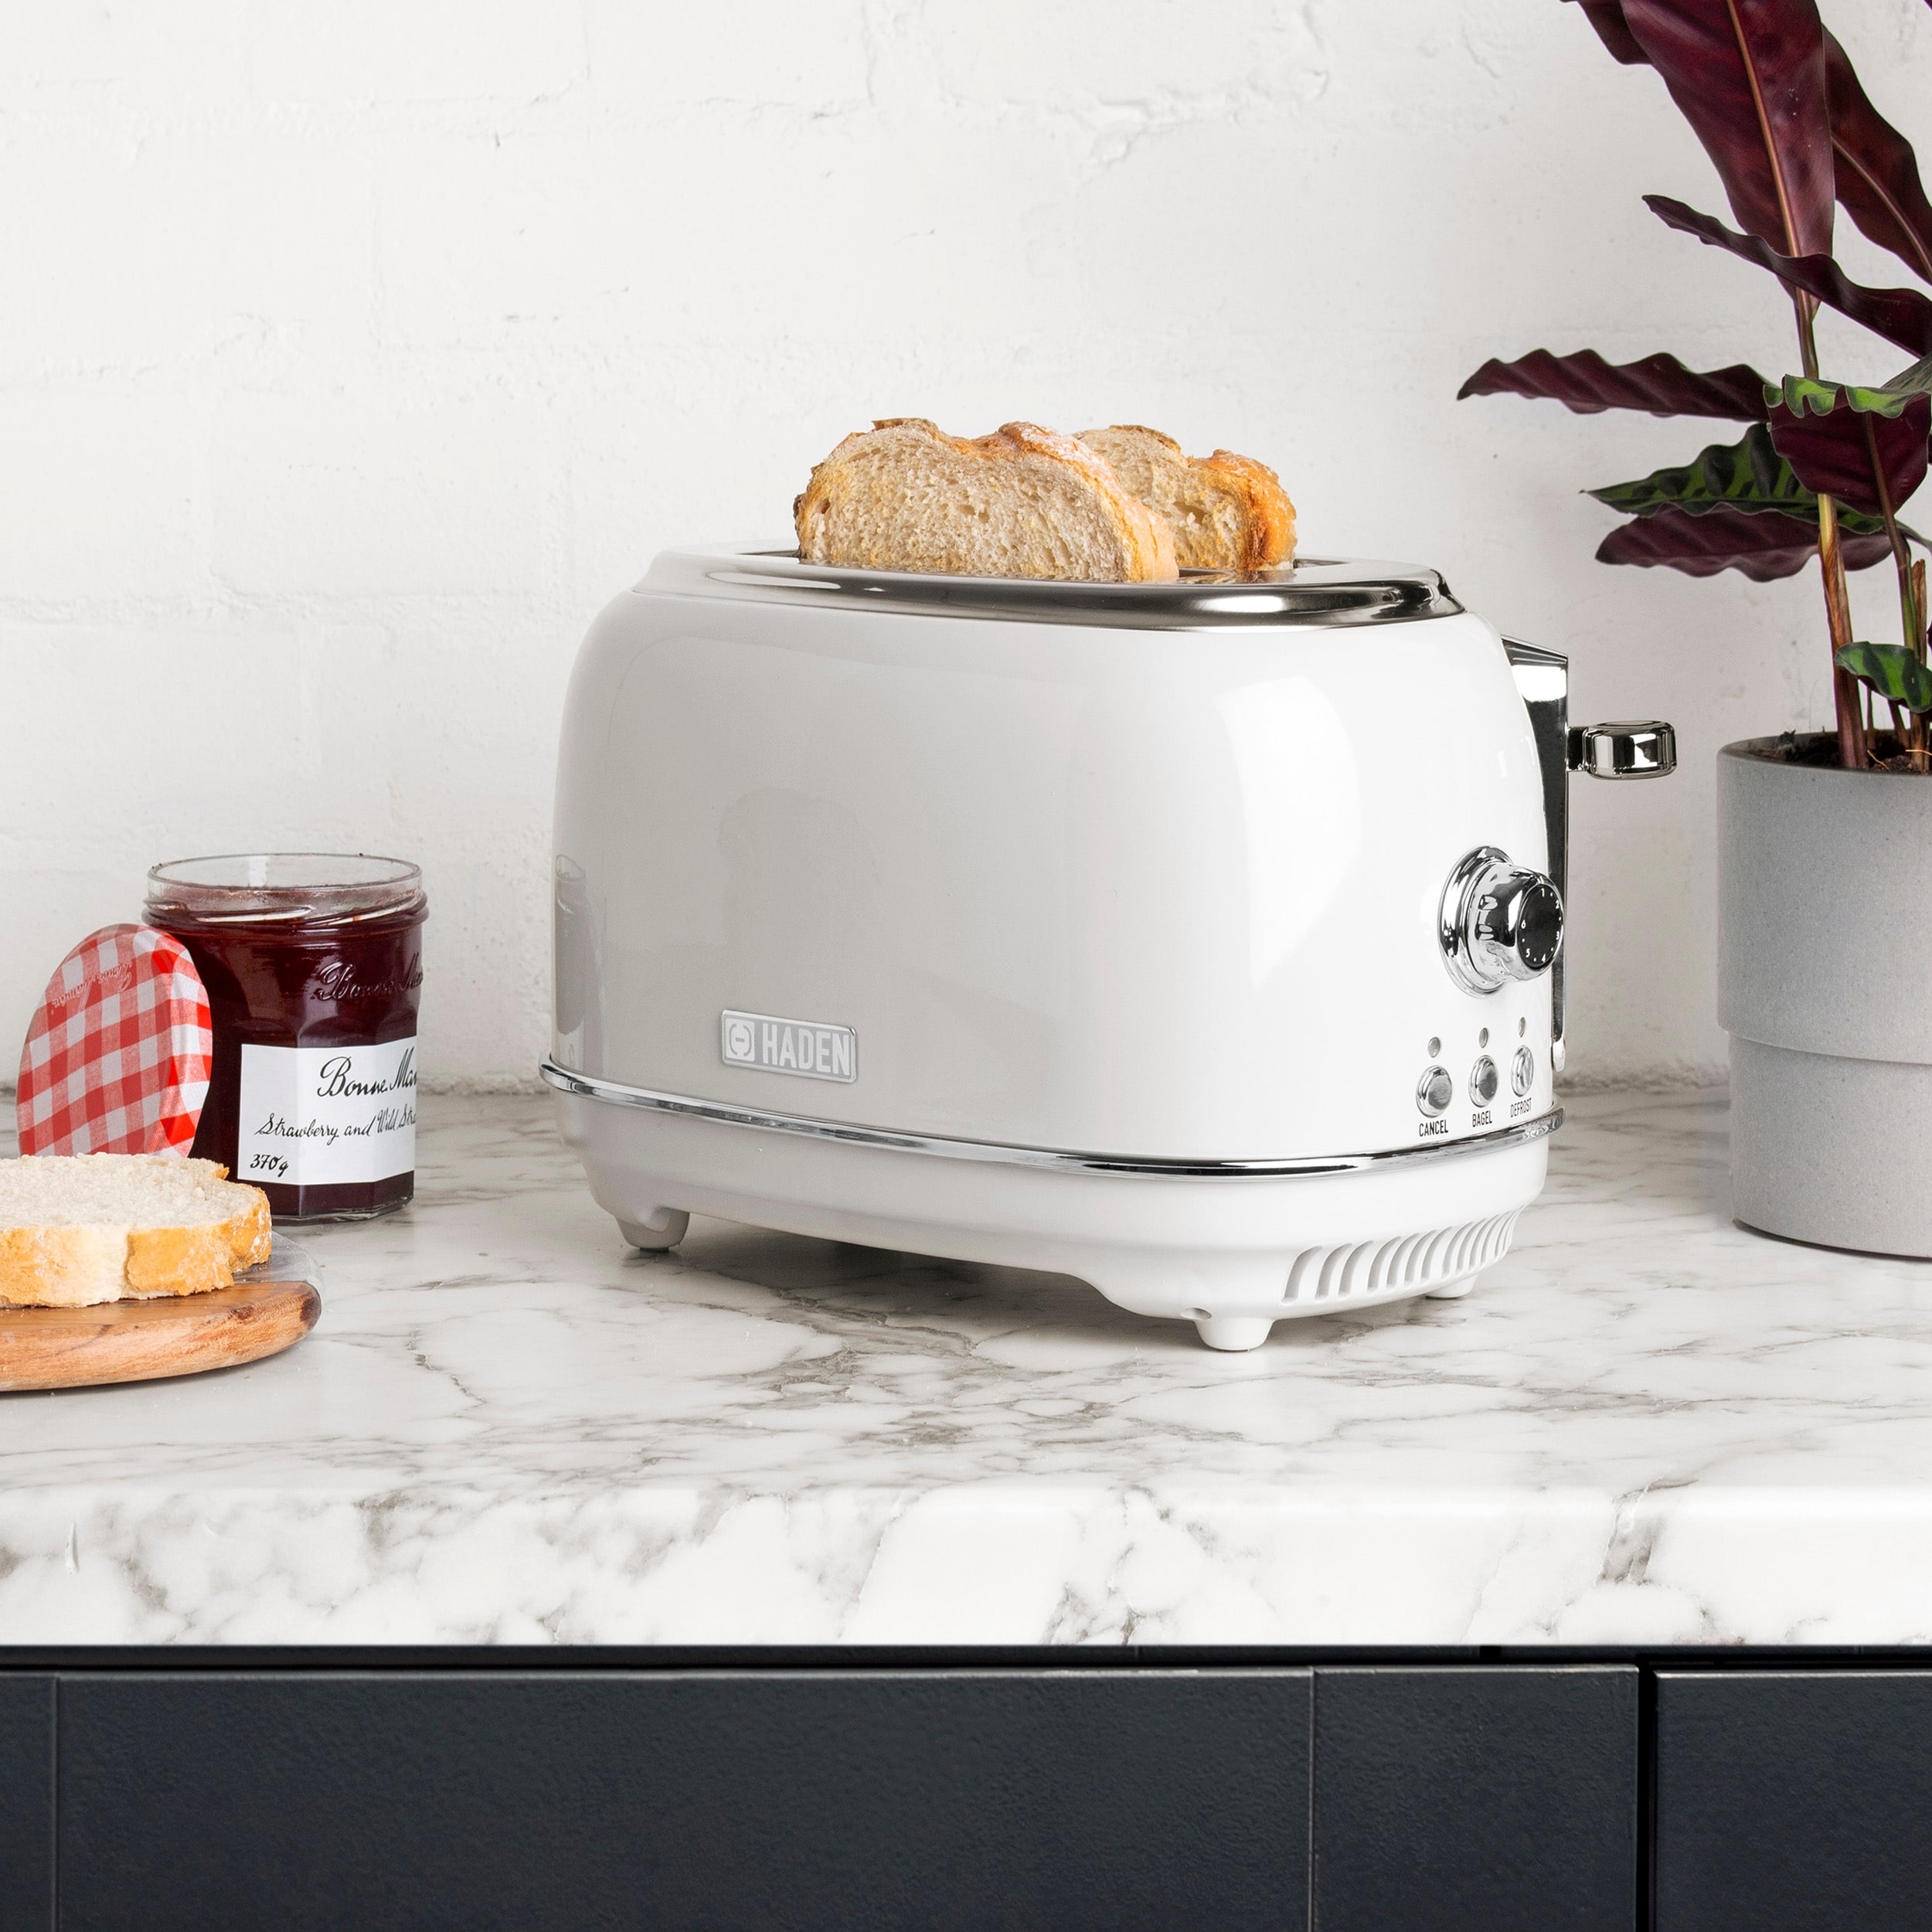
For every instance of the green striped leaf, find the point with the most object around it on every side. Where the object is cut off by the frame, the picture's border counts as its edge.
(1892, 671)
(1803, 394)
(1748, 475)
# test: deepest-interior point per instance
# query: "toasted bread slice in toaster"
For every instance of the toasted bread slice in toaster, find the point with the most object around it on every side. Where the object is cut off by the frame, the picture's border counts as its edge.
(1022, 502)
(1229, 512)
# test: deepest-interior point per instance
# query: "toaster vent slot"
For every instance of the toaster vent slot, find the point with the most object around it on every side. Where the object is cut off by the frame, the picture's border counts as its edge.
(1403, 1264)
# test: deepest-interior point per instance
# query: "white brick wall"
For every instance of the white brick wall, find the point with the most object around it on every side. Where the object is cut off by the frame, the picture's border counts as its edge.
(352, 354)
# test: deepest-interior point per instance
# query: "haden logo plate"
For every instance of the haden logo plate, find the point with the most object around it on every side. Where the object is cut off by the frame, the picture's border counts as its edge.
(774, 1045)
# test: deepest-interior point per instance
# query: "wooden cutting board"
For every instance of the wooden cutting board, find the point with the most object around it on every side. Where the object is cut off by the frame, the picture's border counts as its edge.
(143, 1341)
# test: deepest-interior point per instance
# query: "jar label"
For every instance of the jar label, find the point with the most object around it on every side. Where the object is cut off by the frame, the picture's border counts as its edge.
(326, 1116)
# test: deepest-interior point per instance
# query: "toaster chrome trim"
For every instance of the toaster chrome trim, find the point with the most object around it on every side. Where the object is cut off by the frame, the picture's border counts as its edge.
(590, 1088)
(1311, 591)
(1542, 682)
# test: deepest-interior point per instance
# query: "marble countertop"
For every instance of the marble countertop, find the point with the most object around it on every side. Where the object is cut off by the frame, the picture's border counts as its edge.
(1645, 1426)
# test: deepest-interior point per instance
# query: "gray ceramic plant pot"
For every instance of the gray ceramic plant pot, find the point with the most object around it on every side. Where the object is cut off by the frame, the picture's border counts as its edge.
(1824, 985)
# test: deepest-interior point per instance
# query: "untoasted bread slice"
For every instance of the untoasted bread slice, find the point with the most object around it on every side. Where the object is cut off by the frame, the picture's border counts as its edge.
(1022, 502)
(79, 1229)
(1229, 512)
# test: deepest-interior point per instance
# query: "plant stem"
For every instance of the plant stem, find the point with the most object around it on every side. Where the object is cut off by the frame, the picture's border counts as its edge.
(1838, 617)
(1912, 629)
(1911, 577)
(1807, 308)
(1838, 603)
(1918, 742)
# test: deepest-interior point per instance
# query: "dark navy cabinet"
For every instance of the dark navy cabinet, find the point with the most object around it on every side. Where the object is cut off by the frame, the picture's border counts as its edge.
(1474, 1800)
(729, 1801)
(1794, 1800)
(27, 1746)
(1027, 1792)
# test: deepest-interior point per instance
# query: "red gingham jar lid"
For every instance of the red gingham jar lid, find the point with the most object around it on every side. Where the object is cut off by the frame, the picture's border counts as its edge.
(118, 1057)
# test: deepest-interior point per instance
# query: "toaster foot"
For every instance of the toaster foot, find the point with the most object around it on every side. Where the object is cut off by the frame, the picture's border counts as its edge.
(1233, 1331)
(1452, 1291)
(662, 1228)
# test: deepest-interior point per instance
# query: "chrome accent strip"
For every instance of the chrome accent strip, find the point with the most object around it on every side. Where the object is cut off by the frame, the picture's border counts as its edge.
(1311, 591)
(1543, 679)
(588, 1087)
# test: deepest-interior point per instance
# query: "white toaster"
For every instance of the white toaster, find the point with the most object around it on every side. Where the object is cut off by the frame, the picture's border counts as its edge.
(1200, 939)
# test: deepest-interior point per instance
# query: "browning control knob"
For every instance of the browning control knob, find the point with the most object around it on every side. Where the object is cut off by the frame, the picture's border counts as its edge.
(1500, 922)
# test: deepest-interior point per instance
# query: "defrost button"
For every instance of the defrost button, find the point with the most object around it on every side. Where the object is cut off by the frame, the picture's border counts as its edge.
(1522, 1070)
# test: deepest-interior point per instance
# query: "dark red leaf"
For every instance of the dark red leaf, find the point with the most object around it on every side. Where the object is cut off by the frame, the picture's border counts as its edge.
(1875, 173)
(1749, 76)
(1762, 544)
(1833, 453)
(1606, 16)
(1901, 315)
(1585, 382)
(1878, 173)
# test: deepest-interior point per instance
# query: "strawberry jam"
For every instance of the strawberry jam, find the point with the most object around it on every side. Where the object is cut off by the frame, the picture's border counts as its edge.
(313, 963)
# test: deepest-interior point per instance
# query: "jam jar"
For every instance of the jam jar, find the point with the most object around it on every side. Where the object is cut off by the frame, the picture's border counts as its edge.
(313, 963)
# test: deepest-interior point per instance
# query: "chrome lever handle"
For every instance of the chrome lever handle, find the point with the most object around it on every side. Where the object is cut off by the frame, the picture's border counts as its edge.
(1626, 748)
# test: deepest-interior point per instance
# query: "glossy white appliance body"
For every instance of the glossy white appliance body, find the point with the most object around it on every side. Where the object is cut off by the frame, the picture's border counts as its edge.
(1107, 921)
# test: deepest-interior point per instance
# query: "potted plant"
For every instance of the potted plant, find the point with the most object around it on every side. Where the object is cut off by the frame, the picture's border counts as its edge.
(1825, 839)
